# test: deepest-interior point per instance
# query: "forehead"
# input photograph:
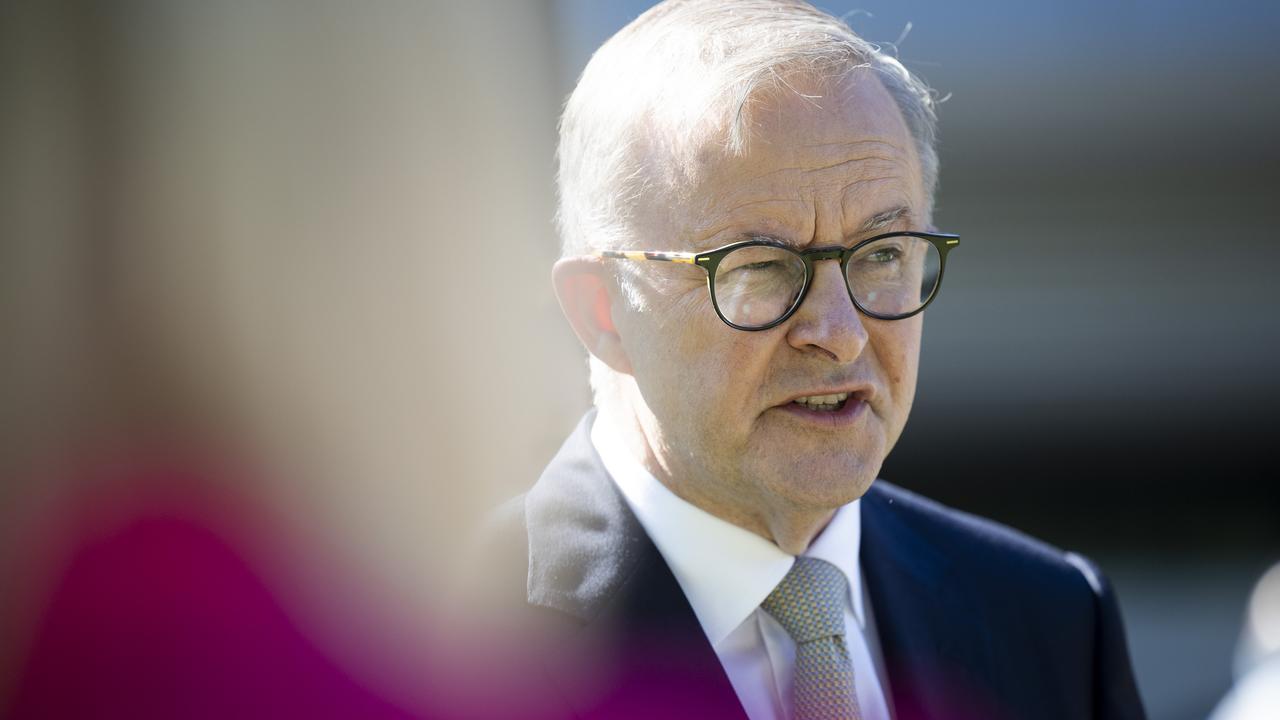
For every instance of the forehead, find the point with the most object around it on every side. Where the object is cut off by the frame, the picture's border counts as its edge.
(819, 152)
(808, 112)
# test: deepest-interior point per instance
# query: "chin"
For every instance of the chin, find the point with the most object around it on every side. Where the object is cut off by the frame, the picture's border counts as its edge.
(822, 487)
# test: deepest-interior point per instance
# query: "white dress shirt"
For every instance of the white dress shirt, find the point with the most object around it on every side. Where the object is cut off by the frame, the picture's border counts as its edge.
(726, 572)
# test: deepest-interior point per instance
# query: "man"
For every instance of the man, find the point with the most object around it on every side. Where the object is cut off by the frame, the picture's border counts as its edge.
(745, 203)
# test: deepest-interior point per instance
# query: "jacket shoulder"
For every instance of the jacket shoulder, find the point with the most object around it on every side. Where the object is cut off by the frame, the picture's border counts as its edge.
(495, 561)
(988, 550)
(1029, 588)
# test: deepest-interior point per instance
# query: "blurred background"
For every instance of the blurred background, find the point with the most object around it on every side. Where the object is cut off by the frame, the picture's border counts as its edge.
(274, 285)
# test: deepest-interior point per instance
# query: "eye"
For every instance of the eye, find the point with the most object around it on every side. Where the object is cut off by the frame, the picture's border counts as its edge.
(760, 265)
(884, 255)
(760, 260)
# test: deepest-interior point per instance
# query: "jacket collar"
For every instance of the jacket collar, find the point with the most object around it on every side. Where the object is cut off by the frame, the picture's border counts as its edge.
(636, 639)
(584, 541)
(933, 633)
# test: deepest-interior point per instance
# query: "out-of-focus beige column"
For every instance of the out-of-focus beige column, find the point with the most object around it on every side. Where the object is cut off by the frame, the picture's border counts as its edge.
(315, 235)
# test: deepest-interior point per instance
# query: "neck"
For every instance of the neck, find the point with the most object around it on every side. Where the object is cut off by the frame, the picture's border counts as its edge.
(795, 531)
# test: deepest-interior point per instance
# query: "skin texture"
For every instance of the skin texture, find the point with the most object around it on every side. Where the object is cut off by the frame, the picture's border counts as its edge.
(702, 403)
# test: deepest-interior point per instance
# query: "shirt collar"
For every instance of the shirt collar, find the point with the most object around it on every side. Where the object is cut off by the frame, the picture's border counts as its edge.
(725, 571)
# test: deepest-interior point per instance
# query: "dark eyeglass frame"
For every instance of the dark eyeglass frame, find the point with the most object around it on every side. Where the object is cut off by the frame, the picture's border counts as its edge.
(710, 261)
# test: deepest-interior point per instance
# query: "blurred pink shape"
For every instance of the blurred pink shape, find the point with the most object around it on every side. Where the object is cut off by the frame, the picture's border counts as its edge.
(161, 617)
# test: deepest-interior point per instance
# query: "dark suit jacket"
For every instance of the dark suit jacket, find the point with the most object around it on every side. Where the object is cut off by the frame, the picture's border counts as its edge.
(975, 620)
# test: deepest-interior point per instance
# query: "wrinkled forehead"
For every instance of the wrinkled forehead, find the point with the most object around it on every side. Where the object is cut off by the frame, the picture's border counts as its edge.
(793, 133)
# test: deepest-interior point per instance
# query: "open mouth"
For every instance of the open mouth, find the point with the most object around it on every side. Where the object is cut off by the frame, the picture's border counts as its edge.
(823, 403)
(829, 411)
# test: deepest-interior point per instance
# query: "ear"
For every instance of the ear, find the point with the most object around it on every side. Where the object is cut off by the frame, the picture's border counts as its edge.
(584, 293)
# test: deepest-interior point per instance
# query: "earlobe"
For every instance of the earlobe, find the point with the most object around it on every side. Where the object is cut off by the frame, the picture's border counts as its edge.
(584, 294)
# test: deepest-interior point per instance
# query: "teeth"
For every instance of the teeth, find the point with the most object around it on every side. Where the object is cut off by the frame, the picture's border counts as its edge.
(823, 402)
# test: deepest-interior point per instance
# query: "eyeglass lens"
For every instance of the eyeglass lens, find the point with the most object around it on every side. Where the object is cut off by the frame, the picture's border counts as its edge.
(892, 277)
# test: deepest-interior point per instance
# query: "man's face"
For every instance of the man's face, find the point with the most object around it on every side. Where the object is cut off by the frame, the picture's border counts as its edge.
(724, 430)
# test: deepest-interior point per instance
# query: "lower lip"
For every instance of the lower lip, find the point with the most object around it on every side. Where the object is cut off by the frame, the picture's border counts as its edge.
(846, 416)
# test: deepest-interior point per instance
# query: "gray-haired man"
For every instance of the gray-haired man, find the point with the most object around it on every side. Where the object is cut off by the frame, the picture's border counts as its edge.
(746, 209)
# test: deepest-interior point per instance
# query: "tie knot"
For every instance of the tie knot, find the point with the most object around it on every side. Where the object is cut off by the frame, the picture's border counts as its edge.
(809, 602)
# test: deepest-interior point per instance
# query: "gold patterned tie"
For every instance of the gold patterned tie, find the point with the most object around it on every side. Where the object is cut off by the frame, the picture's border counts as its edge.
(809, 604)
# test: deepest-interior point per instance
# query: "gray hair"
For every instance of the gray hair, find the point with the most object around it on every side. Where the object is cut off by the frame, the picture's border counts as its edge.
(685, 67)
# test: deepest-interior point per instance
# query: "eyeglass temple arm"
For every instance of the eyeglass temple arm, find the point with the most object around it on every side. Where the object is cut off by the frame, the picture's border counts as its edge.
(675, 257)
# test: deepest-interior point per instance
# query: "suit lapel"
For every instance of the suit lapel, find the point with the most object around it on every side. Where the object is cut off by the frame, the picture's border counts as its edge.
(937, 658)
(633, 646)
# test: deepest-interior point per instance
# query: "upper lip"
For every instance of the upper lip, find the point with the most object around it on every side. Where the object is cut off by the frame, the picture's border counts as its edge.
(861, 392)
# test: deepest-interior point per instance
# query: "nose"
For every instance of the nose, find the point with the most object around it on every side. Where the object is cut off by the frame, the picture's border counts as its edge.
(827, 322)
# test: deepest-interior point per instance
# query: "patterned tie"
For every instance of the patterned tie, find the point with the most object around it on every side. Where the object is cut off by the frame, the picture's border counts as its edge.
(809, 604)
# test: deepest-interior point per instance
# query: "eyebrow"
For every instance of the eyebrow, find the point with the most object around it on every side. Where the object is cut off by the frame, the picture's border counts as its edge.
(884, 218)
(875, 222)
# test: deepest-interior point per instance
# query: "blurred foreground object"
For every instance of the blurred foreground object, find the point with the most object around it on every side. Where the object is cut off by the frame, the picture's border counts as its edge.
(250, 389)
(1256, 693)
(157, 614)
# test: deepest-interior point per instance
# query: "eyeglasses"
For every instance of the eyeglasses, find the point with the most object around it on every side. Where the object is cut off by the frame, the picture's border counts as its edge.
(759, 283)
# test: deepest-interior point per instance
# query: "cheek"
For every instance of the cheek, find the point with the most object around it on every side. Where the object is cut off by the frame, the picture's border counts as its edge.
(897, 346)
(699, 376)
(723, 370)
(674, 353)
